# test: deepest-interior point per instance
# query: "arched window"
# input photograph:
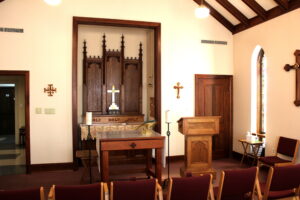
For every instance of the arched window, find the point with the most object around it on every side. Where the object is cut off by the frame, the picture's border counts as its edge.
(261, 93)
(258, 91)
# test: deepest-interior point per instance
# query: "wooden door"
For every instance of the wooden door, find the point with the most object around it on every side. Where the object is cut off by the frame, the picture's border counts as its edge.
(213, 97)
(7, 110)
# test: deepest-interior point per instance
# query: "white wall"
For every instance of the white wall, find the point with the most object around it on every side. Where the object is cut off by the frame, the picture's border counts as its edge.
(279, 38)
(45, 49)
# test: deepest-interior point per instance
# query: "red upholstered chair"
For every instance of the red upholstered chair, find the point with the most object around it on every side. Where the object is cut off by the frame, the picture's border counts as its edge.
(136, 190)
(30, 194)
(237, 184)
(95, 191)
(287, 147)
(282, 181)
(190, 188)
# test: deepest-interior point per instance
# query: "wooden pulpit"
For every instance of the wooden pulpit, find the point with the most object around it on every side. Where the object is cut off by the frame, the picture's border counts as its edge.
(198, 132)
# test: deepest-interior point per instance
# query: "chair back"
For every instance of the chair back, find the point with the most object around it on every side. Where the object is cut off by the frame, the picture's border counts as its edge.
(133, 190)
(77, 192)
(287, 146)
(282, 181)
(30, 194)
(191, 188)
(237, 184)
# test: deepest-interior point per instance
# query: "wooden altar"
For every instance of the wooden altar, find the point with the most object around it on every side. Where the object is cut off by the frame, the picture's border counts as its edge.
(198, 132)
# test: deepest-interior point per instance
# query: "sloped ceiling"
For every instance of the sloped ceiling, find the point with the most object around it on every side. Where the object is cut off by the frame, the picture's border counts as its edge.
(239, 15)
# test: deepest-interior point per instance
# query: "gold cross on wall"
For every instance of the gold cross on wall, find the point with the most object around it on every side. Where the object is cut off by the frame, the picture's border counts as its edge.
(178, 87)
(50, 90)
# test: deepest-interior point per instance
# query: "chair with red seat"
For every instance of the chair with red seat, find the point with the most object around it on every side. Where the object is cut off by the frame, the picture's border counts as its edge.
(30, 194)
(237, 184)
(286, 147)
(282, 182)
(95, 191)
(135, 190)
(191, 188)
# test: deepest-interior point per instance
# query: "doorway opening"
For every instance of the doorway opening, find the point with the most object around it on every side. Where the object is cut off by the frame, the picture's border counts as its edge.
(14, 122)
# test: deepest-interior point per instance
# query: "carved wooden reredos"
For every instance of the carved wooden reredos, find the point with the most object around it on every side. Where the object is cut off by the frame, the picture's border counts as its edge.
(101, 73)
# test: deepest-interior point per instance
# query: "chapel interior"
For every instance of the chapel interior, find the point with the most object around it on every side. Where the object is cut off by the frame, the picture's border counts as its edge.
(109, 92)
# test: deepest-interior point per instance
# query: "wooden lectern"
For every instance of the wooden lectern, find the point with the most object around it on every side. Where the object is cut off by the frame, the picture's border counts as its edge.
(198, 132)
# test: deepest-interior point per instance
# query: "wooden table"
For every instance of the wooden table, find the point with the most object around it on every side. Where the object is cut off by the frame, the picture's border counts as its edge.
(255, 149)
(130, 140)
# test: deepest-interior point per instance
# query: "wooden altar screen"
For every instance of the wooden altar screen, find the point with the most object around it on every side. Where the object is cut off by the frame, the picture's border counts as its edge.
(100, 74)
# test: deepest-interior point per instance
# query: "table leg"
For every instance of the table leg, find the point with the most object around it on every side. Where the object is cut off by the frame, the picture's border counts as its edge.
(158, 164)
(255, 153)
(148, 161)
(104, 166)
(245, 147)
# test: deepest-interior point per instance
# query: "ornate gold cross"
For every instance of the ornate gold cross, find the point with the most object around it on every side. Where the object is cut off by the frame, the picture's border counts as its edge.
(50, 90)
(178, 87)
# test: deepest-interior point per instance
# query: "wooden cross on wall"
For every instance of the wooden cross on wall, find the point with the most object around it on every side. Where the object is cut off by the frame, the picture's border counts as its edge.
(178, 87)
(296, 66)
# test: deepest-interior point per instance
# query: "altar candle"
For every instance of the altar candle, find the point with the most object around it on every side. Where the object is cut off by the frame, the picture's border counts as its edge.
(167, 116)
(89, 118)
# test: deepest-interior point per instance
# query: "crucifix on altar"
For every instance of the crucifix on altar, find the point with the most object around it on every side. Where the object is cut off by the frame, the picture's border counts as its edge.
(296, 67)
(113, 108)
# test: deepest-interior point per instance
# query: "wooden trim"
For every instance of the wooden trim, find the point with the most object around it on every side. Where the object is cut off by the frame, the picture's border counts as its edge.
(217, 16)
(272, 13)
(42, 193)
(283, 4)
(27, 111)
(170, 189)
(221, 185)
(51, 167)
(234, 11)
(177, 158)
(117, 23)
(268, 184)
(257, 8)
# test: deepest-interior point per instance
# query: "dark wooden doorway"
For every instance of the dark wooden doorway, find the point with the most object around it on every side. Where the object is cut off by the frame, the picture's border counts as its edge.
(213, 97)
(7, 110)
(25, 74)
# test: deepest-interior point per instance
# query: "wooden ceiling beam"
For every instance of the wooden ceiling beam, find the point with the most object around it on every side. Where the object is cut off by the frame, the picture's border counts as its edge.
(217, 16)
(258, 9)
(234, 11)
(271, 14)
(283, 4)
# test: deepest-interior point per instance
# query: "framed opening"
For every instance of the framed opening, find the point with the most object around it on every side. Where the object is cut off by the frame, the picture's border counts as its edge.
(26, 129)
(156, 27)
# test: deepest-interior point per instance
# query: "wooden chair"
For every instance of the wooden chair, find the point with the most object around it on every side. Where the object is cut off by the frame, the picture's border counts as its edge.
(136, 190)
(191, 188)
(32, 194)
(282, 181)
(287, 147)
(95, 191)
(237, 184)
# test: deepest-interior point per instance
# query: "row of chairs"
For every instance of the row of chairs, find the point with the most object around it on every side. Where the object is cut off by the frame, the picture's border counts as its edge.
(238, 184)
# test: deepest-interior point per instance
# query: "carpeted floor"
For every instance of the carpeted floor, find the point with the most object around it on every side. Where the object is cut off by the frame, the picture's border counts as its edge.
(70, 177)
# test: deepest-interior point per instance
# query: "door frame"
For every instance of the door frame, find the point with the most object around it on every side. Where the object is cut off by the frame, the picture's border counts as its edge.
(230, 78)
(156, 27)
(27, 112)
